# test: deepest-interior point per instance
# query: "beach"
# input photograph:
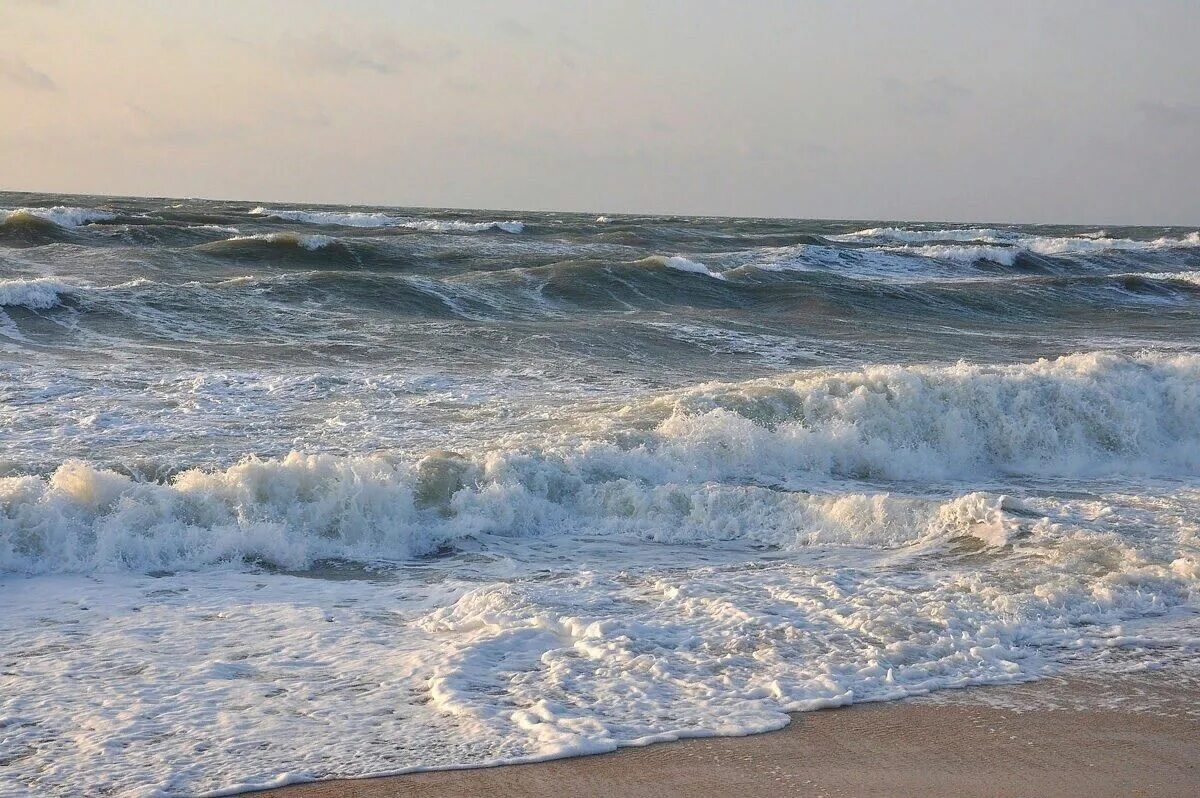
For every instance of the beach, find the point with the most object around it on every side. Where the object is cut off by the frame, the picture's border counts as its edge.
(1054, 739)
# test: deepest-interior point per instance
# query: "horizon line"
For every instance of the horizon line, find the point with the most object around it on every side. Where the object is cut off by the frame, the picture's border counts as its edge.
(654, 214)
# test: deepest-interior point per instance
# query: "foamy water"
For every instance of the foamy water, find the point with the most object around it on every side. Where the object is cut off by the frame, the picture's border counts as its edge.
(291, 493)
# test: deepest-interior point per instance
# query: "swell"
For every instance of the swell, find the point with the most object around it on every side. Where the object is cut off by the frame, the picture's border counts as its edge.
(377, 219)
(23, 229)
(715, 462)
(347, 278)
(38, 226)
(1073, 244)
(281, 246)
(665, 282)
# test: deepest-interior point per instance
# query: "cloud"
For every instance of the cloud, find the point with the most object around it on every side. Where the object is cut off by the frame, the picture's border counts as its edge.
(513, 28)
(929, 97)
(143, 127)
(17, 71)
(381, 53)
(1167, 115)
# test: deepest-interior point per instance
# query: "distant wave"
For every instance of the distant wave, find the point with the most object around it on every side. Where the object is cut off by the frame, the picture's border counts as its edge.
(39, 293)
(60, 215)
(25, 227)
(890, 263)
(46, 293)
(310, 242)
(654, 468)
(1005, 243)
(1003, 255)
(455, 226)
(356, 219)
(1187, 278)
(342, 219)
(681, 264)
(884, 234)
(1082, 246)
(273, 245)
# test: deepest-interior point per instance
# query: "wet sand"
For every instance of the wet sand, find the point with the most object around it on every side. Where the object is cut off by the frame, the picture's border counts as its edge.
(1056, 738)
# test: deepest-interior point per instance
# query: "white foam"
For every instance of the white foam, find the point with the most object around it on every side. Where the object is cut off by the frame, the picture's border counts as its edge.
(1006, 256)
(696, 562)
(62, 215)
(682, 264)
(656, 468)
(887, 263)
(39, 293)
(310, 242)
(343, 219)
(1191, 278)
(459, 226)
(1006, 244)
(285, 679)
(359, 219)
(911, 236)
(1075, 245)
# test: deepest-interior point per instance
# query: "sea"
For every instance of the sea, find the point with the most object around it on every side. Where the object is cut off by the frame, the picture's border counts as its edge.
(291, 492)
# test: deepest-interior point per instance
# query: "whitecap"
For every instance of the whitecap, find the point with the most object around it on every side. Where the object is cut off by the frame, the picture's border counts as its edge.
(62, 215)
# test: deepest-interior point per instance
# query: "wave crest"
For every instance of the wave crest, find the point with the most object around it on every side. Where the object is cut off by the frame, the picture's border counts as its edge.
(967, 245)
(681, 264)
(310, 242)
(361, 219)
(60, 215)
(272, 245)
(39, 293)
(717, 462)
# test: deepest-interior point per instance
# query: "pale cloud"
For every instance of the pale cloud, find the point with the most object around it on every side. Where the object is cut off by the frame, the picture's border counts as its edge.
(1169, 114)
(514, 28)
(931, 97)
(17, 71)
(381, 53)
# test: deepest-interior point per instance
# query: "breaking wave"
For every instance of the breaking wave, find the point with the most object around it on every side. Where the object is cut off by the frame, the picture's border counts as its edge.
(969, 254)
(359, 219)
(716, 462)
(1184, 278)
(682, 264)
(35, 294)
(25, 227)
(310, 242)
(268, 246)
(968, 245)
(341, 219)
(60, 215)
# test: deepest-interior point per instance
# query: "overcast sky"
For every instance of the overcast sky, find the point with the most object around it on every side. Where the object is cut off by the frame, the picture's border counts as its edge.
(1008, 111)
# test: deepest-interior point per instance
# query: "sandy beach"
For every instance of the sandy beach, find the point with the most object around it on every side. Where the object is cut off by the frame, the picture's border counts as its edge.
(1054, 738)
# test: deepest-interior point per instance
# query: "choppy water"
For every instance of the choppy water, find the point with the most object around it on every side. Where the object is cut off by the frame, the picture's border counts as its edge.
(289, 492)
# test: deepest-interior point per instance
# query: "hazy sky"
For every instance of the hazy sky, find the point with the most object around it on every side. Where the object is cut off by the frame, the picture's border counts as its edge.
(1022, 111)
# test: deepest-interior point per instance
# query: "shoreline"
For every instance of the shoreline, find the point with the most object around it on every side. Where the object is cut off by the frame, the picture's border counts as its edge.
(1124, 736)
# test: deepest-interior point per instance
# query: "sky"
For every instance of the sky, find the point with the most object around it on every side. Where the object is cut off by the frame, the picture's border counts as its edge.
(1072, 112)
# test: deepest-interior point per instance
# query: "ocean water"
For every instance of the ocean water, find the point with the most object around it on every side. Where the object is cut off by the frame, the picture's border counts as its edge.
(290, 492)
